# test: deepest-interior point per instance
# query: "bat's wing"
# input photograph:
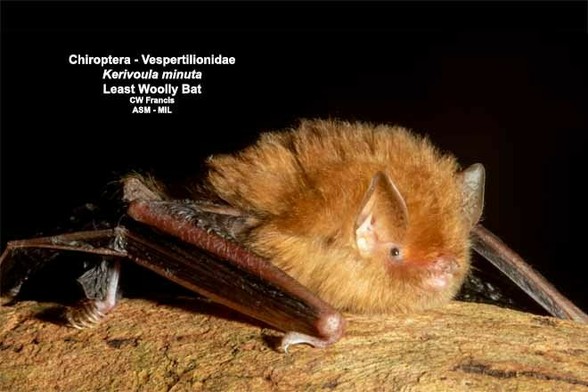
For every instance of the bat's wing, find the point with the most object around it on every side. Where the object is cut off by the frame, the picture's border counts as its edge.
(23, 258)
(524, 276)
(216, 265)
(208, 261)
(192, 244)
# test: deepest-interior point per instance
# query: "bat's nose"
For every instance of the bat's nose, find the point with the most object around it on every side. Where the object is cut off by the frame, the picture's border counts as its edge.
(445, 264)
(441, 272)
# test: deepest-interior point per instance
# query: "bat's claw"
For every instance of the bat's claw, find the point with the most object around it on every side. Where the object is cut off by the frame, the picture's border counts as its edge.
(293, 338)
(330, 326)
(88, 314)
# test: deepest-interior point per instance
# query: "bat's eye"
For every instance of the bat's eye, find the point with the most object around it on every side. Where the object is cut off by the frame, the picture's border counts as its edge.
(395, 253)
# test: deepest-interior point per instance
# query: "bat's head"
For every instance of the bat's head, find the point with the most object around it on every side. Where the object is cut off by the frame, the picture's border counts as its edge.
(420, 243)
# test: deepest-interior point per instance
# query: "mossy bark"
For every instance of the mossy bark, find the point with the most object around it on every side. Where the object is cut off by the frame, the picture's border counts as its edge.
(184, 345)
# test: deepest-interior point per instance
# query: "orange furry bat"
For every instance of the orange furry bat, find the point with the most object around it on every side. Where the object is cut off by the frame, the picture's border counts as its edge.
(369, 219)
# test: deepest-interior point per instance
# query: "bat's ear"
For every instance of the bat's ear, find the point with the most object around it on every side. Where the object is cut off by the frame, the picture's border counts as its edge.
(383, 216)
(473, 179)
(138, 187)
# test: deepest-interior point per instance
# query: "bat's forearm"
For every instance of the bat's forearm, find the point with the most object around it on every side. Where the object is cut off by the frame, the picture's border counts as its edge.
(228, 273)
(531, 281)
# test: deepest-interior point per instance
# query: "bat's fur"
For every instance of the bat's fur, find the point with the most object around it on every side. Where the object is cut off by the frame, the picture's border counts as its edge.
(306, 187)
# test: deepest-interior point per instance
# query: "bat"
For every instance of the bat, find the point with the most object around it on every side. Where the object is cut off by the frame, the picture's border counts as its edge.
(304, 224)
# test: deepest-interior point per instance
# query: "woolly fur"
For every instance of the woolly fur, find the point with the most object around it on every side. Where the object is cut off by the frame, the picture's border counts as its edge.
(306, 185)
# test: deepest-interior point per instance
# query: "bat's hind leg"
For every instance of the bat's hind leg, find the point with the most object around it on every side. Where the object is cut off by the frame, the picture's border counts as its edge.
(23, 258)
(100, 285)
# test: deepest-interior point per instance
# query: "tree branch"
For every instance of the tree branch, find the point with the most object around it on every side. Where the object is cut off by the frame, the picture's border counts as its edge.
(191, 345)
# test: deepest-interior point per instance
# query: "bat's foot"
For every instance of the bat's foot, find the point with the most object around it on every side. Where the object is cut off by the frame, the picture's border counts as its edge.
(88, 314)
(98, 282)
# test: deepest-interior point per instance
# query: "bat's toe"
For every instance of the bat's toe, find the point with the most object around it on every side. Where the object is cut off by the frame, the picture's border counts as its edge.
(87, 315)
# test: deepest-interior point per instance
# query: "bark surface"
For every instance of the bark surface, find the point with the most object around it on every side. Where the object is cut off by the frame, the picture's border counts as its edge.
(189, 345)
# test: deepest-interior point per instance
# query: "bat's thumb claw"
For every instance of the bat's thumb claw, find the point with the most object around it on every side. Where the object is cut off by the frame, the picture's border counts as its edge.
(292, 338)
(331, 327)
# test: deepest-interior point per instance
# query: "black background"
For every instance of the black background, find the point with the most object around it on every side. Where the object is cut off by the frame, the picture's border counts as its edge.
(504, 84)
